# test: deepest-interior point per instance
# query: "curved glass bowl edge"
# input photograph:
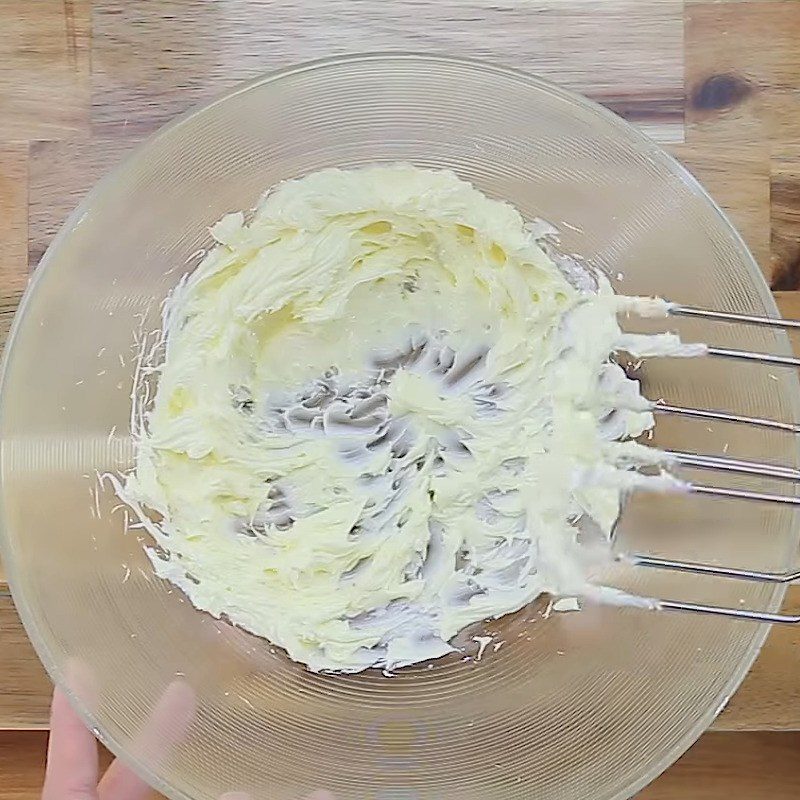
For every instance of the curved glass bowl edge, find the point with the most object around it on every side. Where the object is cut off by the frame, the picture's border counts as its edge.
(95, 195)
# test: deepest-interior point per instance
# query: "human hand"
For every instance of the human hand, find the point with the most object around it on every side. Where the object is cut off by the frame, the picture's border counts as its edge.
(73, 765)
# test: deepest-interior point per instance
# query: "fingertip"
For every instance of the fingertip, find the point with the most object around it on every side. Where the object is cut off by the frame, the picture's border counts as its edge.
(167, 724)
(62, 714)
(178, 701)
(80, 682)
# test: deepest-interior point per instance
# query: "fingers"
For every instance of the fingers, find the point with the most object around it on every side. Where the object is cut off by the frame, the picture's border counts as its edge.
(121, 783)
(165, 727)
(72, 760)
(71, 755)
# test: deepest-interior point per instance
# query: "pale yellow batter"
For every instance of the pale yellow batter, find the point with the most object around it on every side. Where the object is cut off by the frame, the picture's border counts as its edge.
(381, 410)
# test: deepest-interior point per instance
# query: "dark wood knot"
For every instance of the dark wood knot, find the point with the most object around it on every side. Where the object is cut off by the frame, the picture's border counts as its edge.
(786, 272)
(721, 91)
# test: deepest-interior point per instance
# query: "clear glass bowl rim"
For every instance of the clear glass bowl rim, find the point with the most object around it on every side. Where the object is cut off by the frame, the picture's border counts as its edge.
(96, 195)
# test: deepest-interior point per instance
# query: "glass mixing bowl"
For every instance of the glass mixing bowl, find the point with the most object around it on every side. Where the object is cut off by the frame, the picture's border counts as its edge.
(582, 705)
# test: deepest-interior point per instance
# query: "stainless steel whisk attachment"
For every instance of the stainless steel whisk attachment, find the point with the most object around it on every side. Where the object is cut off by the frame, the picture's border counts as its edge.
(731, 466)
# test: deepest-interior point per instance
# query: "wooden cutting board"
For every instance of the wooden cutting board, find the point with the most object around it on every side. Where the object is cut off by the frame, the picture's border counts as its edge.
(718, 82)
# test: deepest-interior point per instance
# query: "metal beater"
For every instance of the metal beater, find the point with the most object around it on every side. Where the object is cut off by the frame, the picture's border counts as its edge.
(731, 465)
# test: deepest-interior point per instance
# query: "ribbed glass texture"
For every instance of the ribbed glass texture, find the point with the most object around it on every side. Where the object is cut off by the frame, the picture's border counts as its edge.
(588, 705)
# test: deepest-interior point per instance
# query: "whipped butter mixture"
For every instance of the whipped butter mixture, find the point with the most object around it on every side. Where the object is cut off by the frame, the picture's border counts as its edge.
(384, 413)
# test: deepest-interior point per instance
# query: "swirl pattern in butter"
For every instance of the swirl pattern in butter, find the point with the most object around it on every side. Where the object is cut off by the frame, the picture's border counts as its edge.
(381, 415)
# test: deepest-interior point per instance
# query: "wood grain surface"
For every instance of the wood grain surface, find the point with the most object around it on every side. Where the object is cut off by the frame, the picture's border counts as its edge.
(733, 766)
(742, 64)
(785, 218)
(22, 755)
(153, 60)
(742, 67)
(25, 687)
(82, 82)
(44, 80)
(13, 229)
